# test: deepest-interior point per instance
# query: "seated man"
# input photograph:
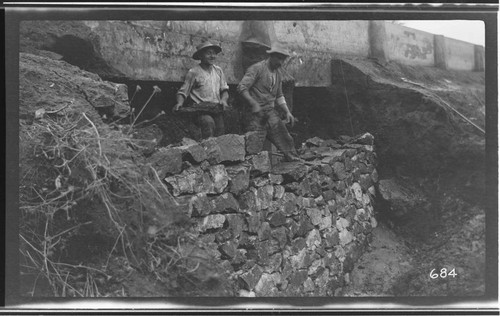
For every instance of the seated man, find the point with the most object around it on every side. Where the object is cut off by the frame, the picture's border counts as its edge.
(261, 87)
(205, 83)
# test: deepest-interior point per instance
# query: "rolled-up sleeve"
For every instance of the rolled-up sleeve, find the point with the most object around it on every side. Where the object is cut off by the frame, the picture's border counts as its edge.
(186, 87)
(248, 79)
(223, 82)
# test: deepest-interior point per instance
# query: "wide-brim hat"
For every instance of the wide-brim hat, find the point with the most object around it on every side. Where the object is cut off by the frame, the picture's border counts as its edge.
(278, 48)
(255, 40)
(203, 46)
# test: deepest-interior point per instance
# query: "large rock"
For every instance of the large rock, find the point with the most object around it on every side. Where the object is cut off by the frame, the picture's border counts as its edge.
(211, 222)
(219, 177)
(253, 144)
(191, 181)
(239, 178)
(225, 148)
(225, 203)
(249, 279)
(193, 152)
(261, 162)
(167, 161)
(400, 198)
(292, 170)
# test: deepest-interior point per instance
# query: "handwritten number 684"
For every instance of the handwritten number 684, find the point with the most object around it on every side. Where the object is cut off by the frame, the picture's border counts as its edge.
(443, 273)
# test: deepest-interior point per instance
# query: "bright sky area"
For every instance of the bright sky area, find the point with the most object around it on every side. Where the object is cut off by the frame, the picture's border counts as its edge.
(471, 31)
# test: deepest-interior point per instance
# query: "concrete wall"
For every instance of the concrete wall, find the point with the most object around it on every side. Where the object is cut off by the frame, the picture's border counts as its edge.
(162, 50)
(409, 46)
(459, 54)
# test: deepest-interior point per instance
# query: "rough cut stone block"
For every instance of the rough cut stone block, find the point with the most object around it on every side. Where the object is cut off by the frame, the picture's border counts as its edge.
(365, 181)
(264, 231)
(167, 161)
(313, 239)
(258, 182)
(299, 260)
(279, 192)
(220, 177)
(239, 179)
(328, 195)
(291, 170)
(275, 178)
(261, 162)
(315, 216)
(298, 278)
(309, 285)
(342, 224)
(357, 191)
(326, 222)
(339, 171)
(225, 203)
(201, 205)
(298, 244)
(249, 279)
(264, 197)
(248, 199)
(253, 144)
(331, 238)
(192, 180)
(228, 249)
(313, 269)
(315, 141)
(225, 148)
(345, 237)
(193, 152)
(274, 263)
(236, 224)
(278, 219)
(253, 221)
(267, 284)
(212, 221)
(280, 235)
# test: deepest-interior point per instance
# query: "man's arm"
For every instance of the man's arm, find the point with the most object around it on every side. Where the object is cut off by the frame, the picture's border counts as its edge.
(184, 90)
(223, 99)
(281, 102)
(244, 86)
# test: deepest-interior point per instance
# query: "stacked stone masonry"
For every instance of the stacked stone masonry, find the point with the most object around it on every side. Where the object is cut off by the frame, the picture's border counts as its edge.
(292, 229)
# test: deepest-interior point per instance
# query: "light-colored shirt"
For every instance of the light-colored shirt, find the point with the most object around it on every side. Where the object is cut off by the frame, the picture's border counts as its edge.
(204, 85)
(263, 84)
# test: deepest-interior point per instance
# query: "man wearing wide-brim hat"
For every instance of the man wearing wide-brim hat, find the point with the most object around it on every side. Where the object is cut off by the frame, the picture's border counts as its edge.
(261, 87)
(205, 84)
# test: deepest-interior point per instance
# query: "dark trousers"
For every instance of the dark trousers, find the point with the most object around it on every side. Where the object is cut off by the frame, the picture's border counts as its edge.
(211, 125)
(268, 124)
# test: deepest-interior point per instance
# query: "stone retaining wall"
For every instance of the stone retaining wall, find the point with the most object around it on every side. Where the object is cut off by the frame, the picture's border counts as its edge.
(292, 229)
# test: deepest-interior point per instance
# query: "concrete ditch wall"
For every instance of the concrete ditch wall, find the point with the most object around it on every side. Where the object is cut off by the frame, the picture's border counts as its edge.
(291, 229)
(162, 50)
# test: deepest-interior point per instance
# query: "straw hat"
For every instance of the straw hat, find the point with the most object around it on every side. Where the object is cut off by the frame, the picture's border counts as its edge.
(278, 48)
(204, 45)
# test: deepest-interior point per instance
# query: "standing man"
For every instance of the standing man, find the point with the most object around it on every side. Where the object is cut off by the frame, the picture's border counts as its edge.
(205, 84)
(261, 87)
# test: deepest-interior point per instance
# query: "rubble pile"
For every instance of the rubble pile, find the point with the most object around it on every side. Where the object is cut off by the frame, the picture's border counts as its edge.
(292, 229)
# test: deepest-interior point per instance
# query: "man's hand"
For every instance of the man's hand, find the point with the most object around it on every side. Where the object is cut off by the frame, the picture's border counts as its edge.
(290, 119)
(176, 107)
(225, 106)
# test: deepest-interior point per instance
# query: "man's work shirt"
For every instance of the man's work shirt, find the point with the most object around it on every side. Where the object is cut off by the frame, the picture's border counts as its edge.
(263, 84)
(204, 86)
